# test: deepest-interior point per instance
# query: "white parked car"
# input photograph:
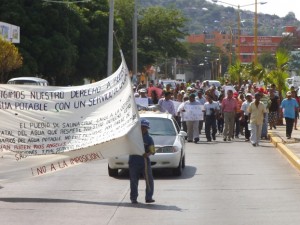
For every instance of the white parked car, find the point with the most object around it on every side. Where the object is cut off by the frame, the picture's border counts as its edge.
(28, 81)
(169, 143)
(216, 83)
(166, 82)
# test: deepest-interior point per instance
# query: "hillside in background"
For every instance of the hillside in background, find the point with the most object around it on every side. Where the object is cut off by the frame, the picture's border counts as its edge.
(205, 16)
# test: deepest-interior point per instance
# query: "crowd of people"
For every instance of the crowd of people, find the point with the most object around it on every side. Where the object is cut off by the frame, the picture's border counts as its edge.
(230, 110)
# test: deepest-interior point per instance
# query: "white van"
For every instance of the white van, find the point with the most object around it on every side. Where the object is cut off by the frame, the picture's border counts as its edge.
(28, 81)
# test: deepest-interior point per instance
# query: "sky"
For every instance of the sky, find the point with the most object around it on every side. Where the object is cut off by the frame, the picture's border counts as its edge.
(277, 7)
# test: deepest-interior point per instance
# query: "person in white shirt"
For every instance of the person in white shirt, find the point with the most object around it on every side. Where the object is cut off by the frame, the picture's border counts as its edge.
(245, 115)
(201, 100)
(211, 109)
(180, 113)
(192, 124)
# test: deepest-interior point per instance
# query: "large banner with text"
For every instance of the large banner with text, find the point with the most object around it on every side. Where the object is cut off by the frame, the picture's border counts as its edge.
(44, 129)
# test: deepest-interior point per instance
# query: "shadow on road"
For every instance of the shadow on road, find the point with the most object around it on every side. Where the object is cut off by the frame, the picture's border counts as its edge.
(119, 204)
(163, 174)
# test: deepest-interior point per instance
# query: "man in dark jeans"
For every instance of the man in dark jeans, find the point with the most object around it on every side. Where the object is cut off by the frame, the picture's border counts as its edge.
(141, 164)
(288, 106)
(211, 109)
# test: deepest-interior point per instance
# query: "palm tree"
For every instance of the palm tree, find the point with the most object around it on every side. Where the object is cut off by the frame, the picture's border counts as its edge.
(279, 74)
(236, 72)
(257, 73)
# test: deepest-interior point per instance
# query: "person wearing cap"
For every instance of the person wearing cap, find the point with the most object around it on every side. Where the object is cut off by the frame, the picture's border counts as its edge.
(289, 105)
(244, 119)
(143, 94)
(141, 164)
(192, 125)
(256, 112)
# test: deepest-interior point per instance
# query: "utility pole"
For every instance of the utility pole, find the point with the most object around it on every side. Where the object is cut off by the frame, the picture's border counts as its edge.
(135, 63)
(110, 38)
(255, 34)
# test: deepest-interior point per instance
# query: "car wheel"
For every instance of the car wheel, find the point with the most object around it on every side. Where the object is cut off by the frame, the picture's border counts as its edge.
(183, 162)
(112, 172)
(178, 171)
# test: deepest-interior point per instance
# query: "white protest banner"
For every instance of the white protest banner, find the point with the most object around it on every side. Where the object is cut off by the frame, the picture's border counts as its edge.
(142, 102)
(46, 129)
(192, 112)
(176, 105)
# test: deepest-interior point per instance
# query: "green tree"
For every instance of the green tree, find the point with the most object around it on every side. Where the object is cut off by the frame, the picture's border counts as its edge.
(124, 11)
(257, 73)
(200, 57)
(64, 43)
(267, 60)
(280, 73)
(10, 59)
(160, 34)
(237, 72)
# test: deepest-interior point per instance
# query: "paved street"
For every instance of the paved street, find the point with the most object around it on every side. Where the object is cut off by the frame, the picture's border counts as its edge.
(222, 184)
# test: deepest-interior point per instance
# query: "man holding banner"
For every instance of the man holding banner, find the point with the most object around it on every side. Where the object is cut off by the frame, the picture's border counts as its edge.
(142, 165)
(46, 129)
(192, 113)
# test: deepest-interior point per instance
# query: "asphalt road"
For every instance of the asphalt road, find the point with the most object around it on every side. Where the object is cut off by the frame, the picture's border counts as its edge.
(222, 184)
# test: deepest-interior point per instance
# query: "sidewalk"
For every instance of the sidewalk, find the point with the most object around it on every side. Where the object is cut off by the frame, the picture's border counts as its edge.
(288, 147)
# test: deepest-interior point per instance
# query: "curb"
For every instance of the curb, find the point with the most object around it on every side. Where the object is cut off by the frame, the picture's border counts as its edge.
(278, 143)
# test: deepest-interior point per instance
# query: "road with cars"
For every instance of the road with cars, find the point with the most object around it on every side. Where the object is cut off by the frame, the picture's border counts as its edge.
(223, 183)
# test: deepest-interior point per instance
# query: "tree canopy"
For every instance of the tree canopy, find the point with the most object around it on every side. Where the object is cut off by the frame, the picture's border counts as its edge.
(65, 43)
(10, 59)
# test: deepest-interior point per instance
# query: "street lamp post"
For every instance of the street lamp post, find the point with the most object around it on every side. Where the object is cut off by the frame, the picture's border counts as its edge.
(255, 34)
(239, 20)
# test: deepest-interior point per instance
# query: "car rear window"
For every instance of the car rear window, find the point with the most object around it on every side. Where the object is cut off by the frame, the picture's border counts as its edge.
(161, 126)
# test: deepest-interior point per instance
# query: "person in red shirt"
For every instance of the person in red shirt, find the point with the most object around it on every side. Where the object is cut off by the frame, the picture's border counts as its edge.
(229, 106)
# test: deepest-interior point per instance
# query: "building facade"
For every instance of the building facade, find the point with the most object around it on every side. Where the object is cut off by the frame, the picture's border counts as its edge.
(242, 46)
